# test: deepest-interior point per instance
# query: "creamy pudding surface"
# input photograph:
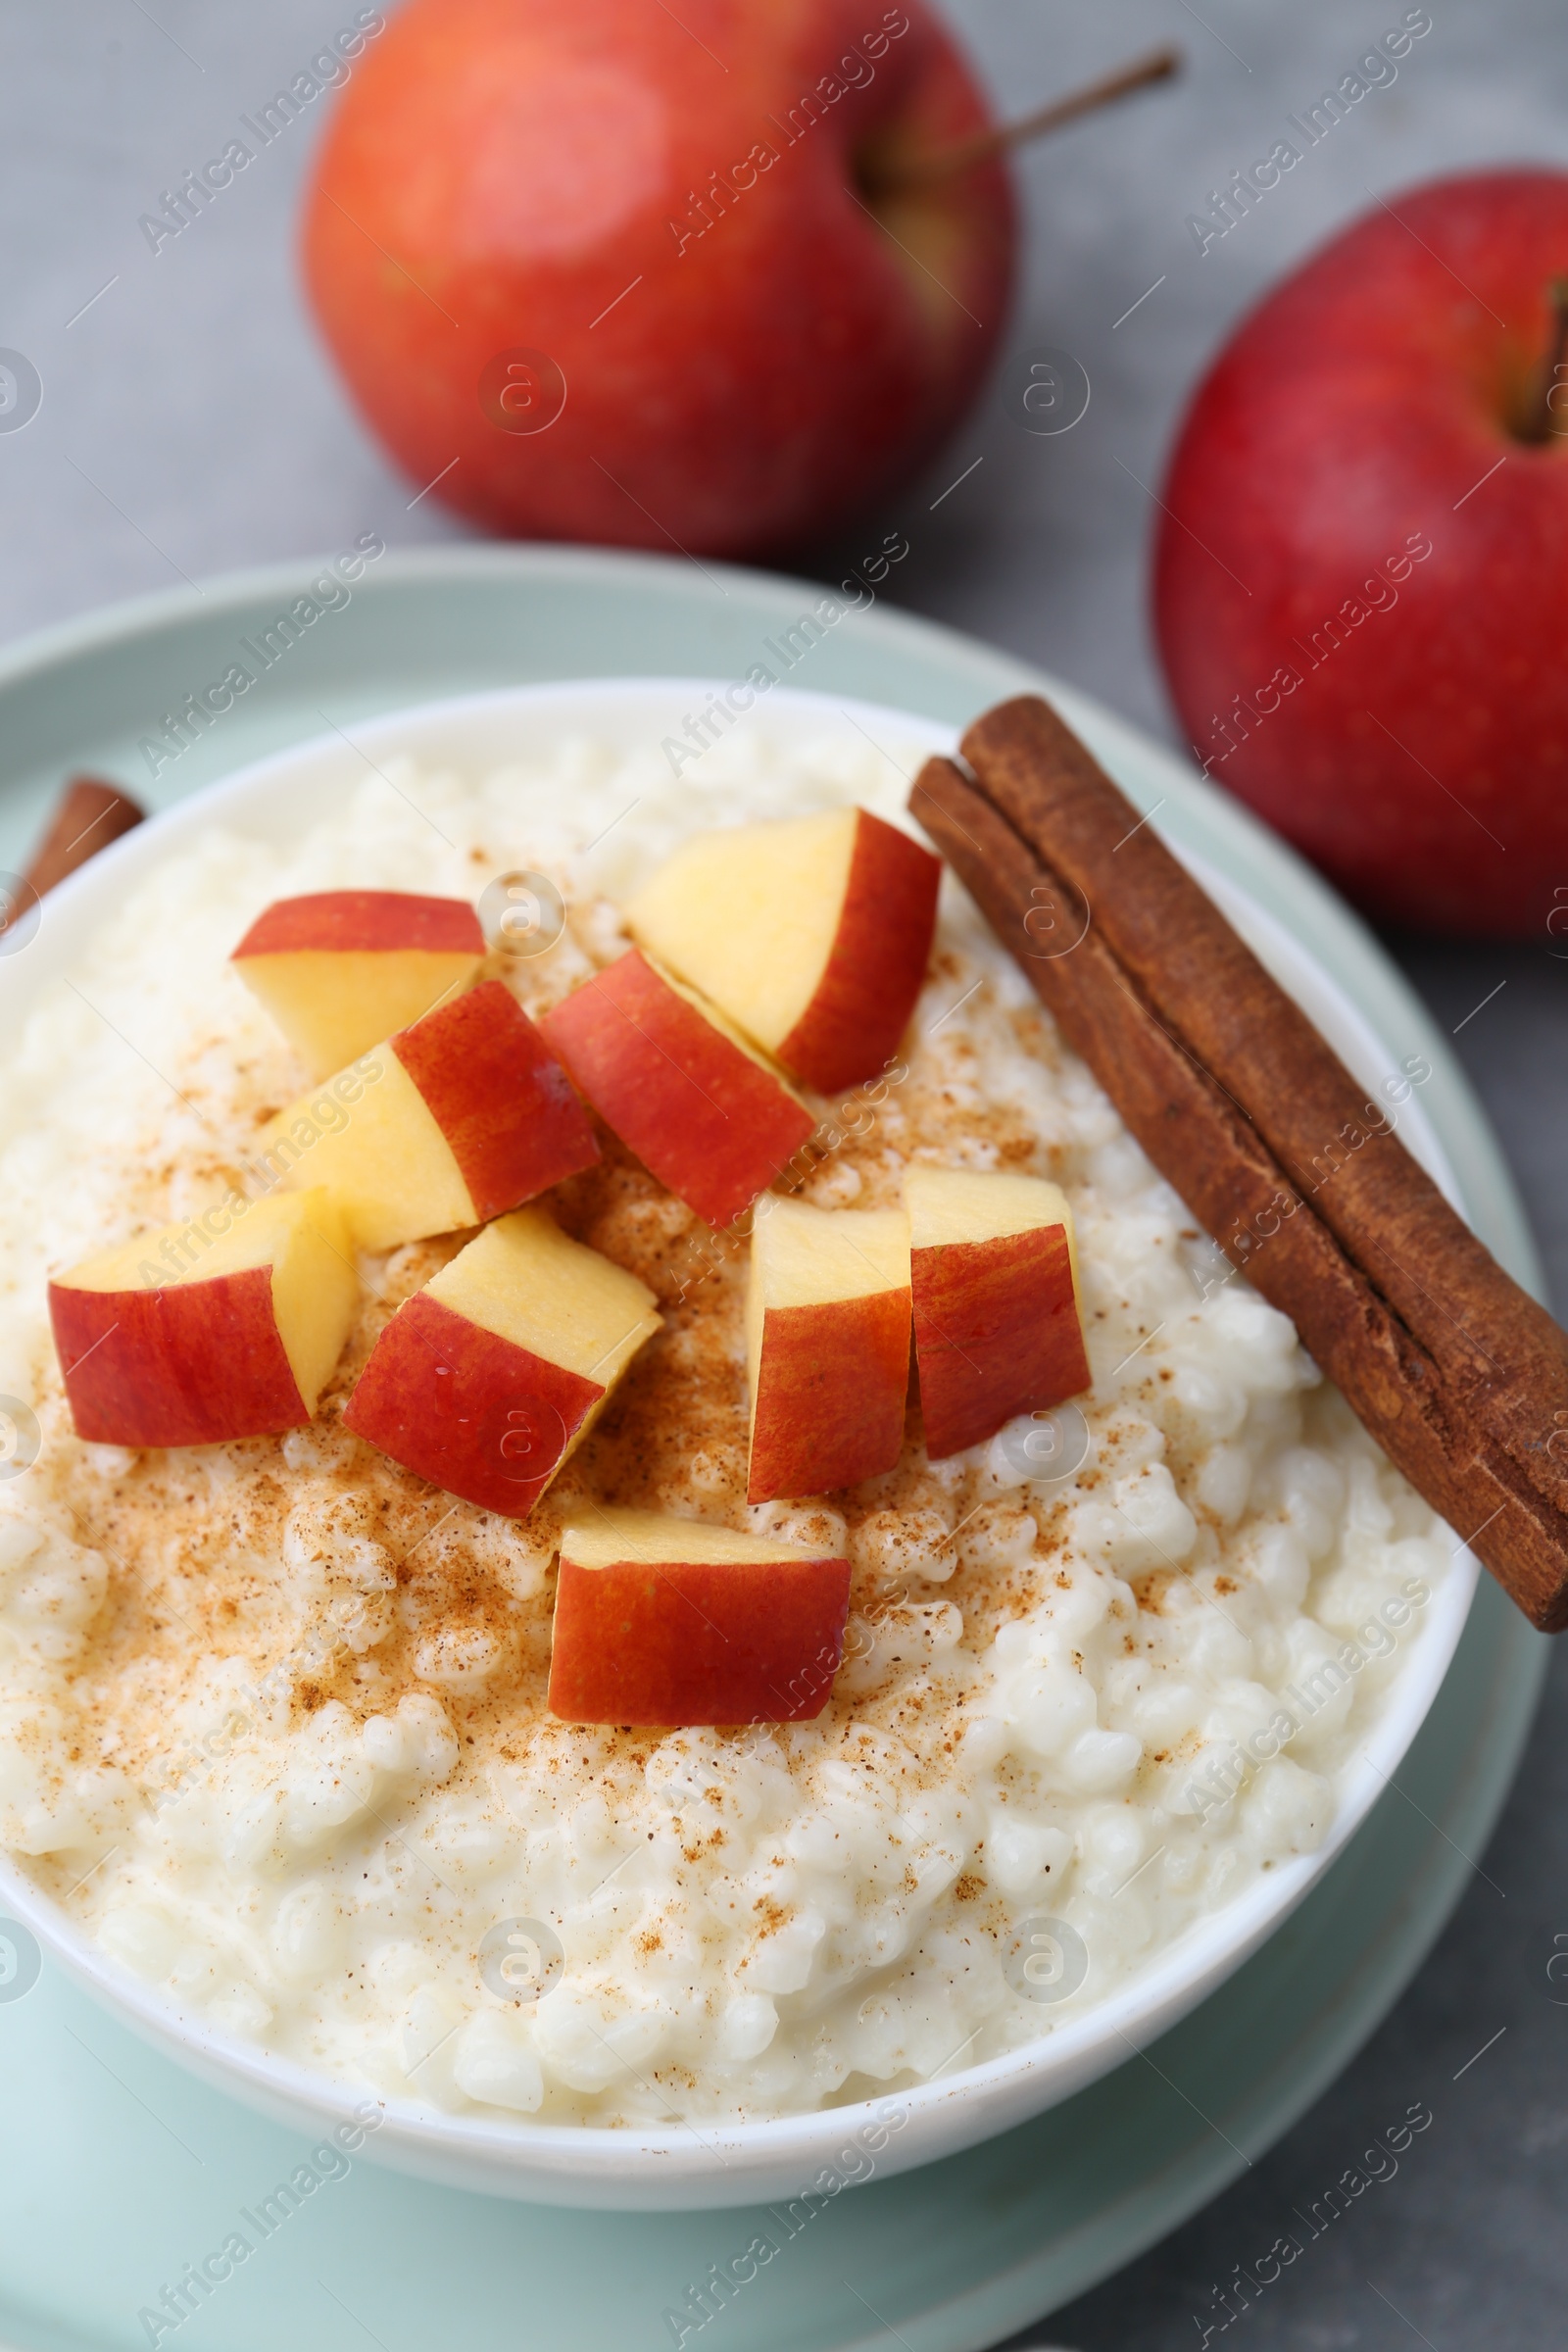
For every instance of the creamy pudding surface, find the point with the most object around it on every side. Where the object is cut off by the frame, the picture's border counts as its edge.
(272, 1721)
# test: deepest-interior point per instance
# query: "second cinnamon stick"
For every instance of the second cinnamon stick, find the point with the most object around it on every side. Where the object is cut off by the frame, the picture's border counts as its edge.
(88, 815)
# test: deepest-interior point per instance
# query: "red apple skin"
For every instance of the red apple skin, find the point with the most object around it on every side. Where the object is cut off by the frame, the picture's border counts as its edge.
(710, 1122)
(996, 1333)
(876, 968)
(1423, 760)
(361, 920)
(831, 1392)
(758, 1641)
(500, 172)
(193, 1363)
(499, 1096)
(478, 1415)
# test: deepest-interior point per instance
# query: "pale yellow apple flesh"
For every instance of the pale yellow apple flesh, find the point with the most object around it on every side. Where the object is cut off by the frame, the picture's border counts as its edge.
(749, 914)
(530, 1284)
(333, 1005)
(605, 1539)
(812, 934)
(338, 969)
(971, 1204)
(378, 1148)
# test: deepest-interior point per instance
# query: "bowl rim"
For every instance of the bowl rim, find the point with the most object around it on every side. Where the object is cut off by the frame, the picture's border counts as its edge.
(1153, 1995)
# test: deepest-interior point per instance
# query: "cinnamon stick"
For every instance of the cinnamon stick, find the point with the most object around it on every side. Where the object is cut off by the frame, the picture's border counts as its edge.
(1459, 1375)
(88, 815)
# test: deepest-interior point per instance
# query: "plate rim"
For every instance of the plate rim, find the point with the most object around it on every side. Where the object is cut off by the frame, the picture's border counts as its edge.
(1504, 1661)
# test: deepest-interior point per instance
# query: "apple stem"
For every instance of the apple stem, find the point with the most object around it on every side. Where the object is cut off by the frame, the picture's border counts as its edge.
(1542, 424)
(985, 145)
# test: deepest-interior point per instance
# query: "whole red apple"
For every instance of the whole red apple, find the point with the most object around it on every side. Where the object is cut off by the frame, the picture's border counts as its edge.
(618, 272)
(1362, 573)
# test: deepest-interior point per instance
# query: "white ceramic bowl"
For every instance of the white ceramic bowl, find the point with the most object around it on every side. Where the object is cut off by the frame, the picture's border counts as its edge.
(748, 2163)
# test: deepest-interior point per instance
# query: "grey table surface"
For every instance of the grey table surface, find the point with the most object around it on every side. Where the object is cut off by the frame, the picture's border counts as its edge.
(191, 423)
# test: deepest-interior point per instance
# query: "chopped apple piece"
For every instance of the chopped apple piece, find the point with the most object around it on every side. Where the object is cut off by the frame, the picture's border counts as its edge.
(449, 1123)
(487, 1379)
(813, 934)
(827, 1332)
(228, 1326)
(662, 1621)
(997, 1323)
(340, 969)
(675, 1079)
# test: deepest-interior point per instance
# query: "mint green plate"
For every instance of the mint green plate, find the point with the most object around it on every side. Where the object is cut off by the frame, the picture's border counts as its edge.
(118, 2170)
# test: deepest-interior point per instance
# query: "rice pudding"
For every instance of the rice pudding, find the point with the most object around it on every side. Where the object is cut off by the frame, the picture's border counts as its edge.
(273, 1714)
